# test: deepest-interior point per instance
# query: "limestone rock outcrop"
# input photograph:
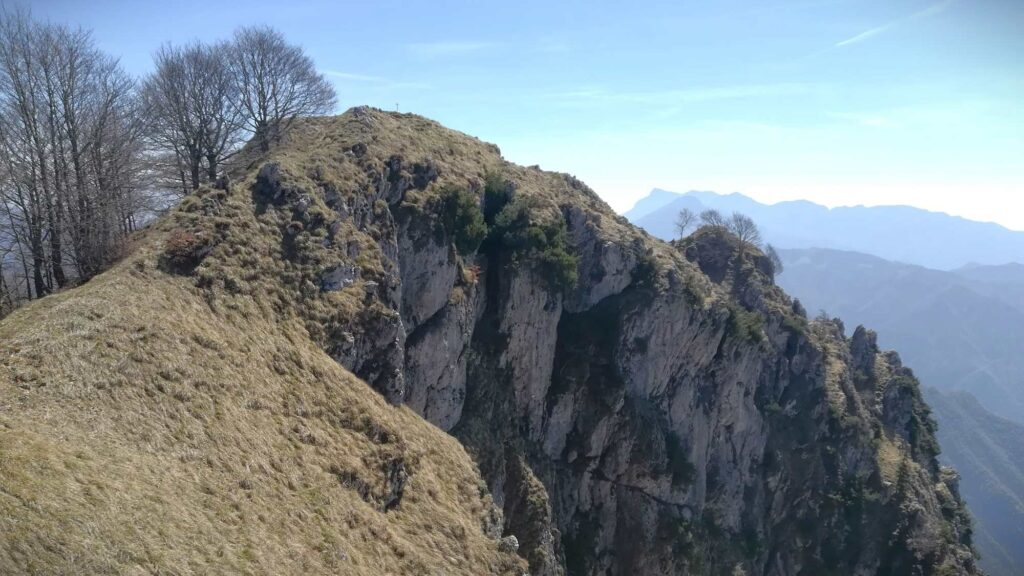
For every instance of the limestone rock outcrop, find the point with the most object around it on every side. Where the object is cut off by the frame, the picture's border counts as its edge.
(668, 412)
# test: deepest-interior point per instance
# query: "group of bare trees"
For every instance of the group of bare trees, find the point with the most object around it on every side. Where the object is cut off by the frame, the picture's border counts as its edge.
(70, 144)
(275, 83)
(88, 153)
(204, 100)
(738, 224)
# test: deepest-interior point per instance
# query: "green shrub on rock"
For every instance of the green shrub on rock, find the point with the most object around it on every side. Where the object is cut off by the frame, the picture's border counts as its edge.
(462, 218)
(517, 230)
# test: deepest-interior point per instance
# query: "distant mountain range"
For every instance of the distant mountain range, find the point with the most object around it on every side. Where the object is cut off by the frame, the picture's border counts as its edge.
(989, 454)
(899, 233)
(961, 327)
(1004, 282)
(955, 329)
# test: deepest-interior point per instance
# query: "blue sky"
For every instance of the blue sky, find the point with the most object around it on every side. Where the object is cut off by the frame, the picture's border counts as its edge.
(840, 102)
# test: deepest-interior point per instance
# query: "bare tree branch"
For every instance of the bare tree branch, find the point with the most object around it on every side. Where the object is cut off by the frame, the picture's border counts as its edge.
(711, 218)
(190, 102)
(684, 221)
(276, 83)
(744, 228)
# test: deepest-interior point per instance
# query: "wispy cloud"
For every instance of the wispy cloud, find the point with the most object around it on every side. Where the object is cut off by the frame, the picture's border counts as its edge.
(865, 35)
(373, 82)
(683, 96)
(872, 32)
(351, 76)
(437, 49)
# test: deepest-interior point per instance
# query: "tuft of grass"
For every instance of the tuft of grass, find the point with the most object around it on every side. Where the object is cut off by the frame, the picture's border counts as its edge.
(184, 250)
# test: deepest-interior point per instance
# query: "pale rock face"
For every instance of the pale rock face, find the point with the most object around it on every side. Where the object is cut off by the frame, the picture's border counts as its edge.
(436, 355)
(641, 416)
(647, 411)
(605, 266)
(338, 277)
(428, 267)
(374, 349)
(392, 181)
(634, 425)
(509, 544)
(667, 340)
(529, 319)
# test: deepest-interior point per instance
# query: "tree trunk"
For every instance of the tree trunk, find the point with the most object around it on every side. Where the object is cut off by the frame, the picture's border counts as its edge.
(263, 135)
(6, 299)
(196, 172)
(211, 168)
(56, 250)
(38, 264)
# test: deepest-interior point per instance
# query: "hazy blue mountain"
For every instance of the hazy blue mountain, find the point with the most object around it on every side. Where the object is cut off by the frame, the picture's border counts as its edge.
(899, 233)
(658, 198)
(1005, 282)
(952, 330)
(1006, 274)
(988, 452)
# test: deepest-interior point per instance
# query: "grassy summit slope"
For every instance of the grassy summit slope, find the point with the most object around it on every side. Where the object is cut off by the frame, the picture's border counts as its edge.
(184, 417)
(140, 430)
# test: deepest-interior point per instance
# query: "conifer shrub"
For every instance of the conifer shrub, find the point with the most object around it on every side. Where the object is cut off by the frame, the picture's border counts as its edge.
(497, 194)
(462, 218)
(745, 324)
(518, 231)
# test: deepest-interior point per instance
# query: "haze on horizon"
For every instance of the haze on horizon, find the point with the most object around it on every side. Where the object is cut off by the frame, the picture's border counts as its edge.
(841, 102)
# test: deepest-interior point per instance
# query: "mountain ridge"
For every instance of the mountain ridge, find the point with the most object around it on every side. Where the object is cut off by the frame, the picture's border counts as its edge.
(985, 449)
(961, 334)
(630, 406)
(965, 334)
(900, 233)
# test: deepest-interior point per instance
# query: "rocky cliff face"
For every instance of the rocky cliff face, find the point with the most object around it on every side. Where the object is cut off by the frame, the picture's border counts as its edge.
(664, 411)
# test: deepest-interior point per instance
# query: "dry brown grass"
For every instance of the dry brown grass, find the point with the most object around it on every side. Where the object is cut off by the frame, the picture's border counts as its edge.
(890, 457)
(162, 419)
(317, 146)
(140, 432)
(165, 419)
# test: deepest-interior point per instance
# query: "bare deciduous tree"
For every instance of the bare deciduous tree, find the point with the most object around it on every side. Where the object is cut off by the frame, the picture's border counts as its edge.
(744, 228)
(29, 197)
(684, 221)
(190, 101)
(774, 258)
(275, 82)
(81, 144)
(69, 155)
(711, 218)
